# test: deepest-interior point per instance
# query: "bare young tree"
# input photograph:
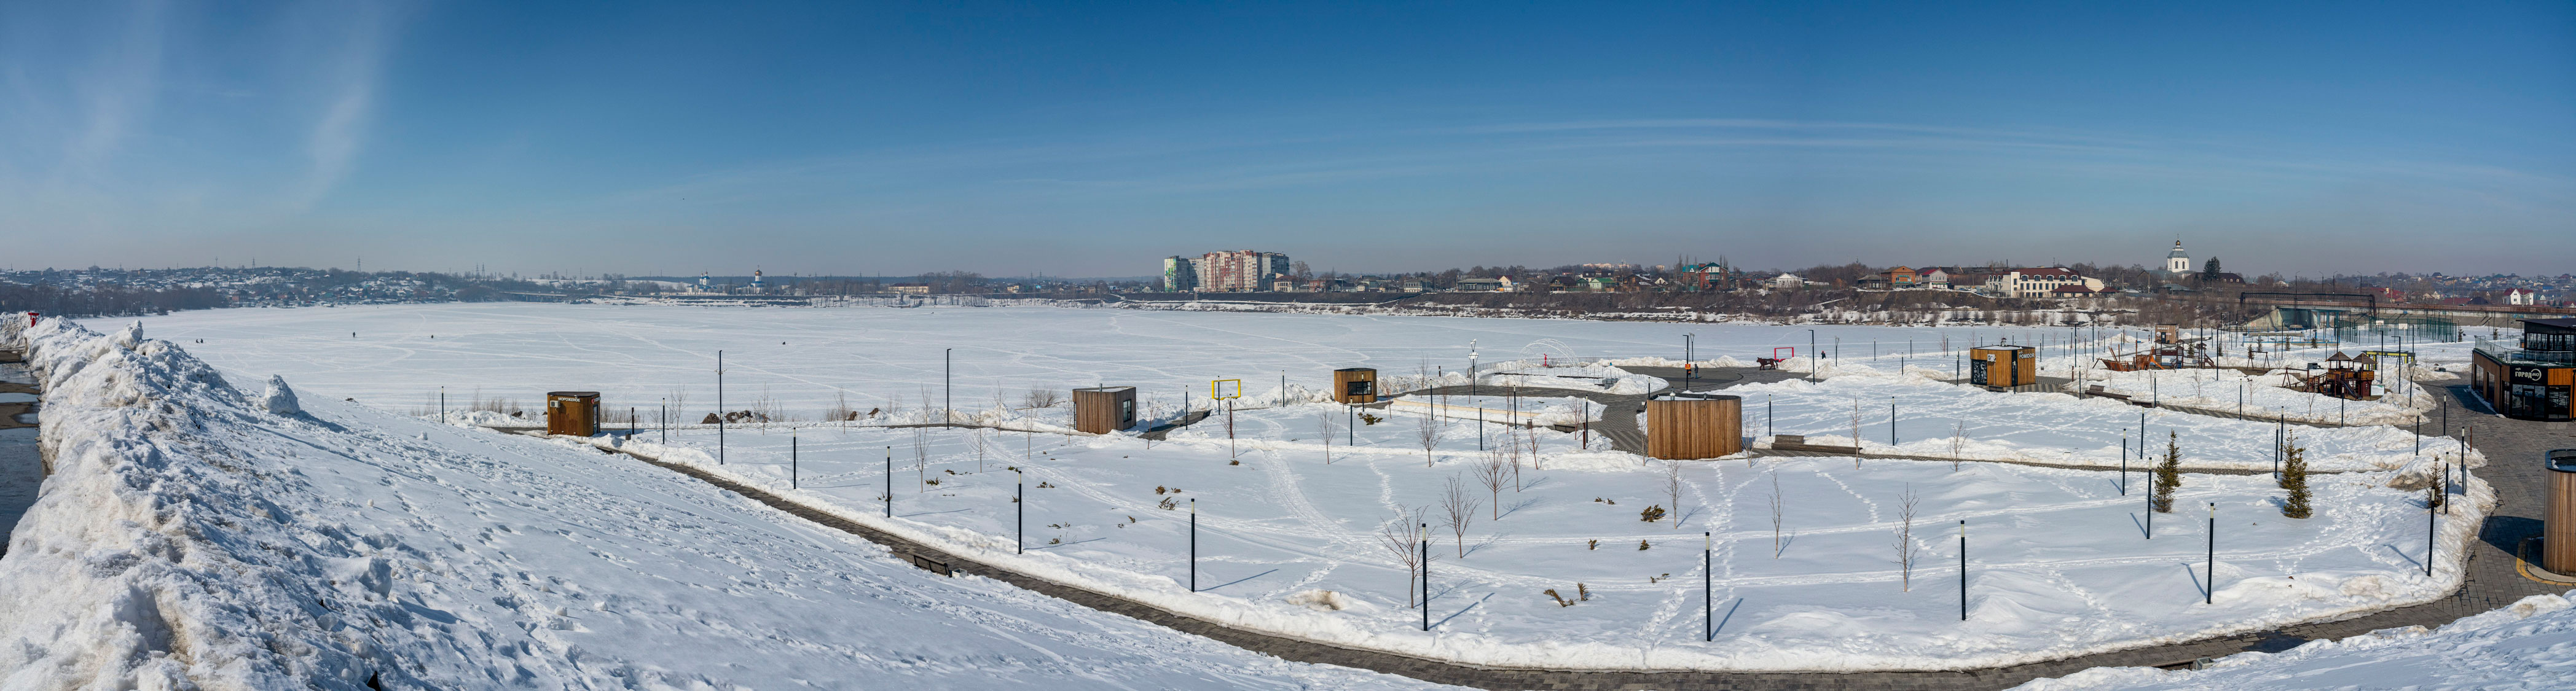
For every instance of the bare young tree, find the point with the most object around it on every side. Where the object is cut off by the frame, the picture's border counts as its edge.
(1516, 463)
(1324, 428)
(1398, 536)
(1429, 433)
(921, 458)
(1673, 489)
(1777, 514)
(1958, 439)
(982, 443)
(679, 403)
(1490, 473)
(1905, 535)
(1458, 505)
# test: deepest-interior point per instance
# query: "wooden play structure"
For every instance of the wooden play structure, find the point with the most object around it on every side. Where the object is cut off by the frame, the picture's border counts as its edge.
(2171, 350)
(2342, 376)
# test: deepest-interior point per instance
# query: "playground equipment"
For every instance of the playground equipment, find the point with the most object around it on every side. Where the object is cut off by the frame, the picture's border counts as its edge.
(2343, 377)
(2171, 350)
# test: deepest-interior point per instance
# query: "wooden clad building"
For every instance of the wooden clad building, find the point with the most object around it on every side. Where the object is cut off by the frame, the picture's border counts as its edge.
(1355, 385)
(2558, 527)
(1682, 428)
(572, 412)
(2003, 365)
(1104, 409)
(2536, 381)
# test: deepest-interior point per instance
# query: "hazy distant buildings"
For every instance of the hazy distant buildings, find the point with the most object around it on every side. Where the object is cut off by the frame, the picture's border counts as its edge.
(1180, 274)
(1240, 271)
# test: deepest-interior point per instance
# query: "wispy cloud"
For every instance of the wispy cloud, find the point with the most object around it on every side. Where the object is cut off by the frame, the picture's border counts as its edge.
(118, 92)
(352, 68)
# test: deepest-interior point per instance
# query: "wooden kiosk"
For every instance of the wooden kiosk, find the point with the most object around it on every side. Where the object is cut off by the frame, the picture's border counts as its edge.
(2558, 527)
(572, 412)
(1694, 427)
(2003, 365)
(1355, 385)
(1105, 409)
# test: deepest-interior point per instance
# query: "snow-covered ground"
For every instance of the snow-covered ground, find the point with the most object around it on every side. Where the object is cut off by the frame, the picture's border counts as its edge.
(2265, 395)
(2529, 646)
(192, 539)
(2060, 563)
(806, 359)
(1940, 419)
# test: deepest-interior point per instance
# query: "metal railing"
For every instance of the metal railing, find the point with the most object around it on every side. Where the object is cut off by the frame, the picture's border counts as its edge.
(2502, 352)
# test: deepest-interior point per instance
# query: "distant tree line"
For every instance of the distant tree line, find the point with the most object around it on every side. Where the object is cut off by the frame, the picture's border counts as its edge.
(105, 300)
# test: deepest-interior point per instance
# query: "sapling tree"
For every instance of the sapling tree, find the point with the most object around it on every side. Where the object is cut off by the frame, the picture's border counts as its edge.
(1324, 428)
(1429, 434)
(1491, 473)
(982, 443)
(1958, 439)
(2294, 477)
(1905, 536)
(1777, 515)
(921, 457)
(1397, 535)
(1673, 489)
(2168, 473)
(1458, 506)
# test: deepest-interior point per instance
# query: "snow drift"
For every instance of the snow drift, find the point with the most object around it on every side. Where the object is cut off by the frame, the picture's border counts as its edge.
(188, 538)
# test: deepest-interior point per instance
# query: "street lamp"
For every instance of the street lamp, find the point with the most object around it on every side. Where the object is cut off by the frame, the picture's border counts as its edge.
(1471, 367)
(1811, 353)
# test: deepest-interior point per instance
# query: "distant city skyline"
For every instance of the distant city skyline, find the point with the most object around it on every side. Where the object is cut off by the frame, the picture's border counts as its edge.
(2302, 139)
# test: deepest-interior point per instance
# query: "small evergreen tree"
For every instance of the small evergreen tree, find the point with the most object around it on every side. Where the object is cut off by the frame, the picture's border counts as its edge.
(2434, 493)
(2168, 473)
(2294, 477)
(2209, 272)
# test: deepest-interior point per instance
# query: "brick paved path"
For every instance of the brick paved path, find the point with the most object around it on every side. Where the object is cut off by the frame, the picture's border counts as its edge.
(2513, 448)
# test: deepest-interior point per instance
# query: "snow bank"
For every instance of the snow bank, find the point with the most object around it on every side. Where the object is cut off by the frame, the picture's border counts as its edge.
(1501, 409)
(156, 556)
(280, 400)
(2530, 644)
(1592, 377)
(189, 539)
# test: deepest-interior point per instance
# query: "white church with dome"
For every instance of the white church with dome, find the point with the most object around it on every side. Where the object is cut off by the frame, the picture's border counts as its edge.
(2177, 263)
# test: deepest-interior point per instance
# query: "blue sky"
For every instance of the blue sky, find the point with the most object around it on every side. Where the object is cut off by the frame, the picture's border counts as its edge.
(1090, 139)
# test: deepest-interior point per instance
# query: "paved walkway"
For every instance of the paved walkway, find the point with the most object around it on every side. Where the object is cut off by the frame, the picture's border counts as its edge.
(22, 464)
(2513, 447)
